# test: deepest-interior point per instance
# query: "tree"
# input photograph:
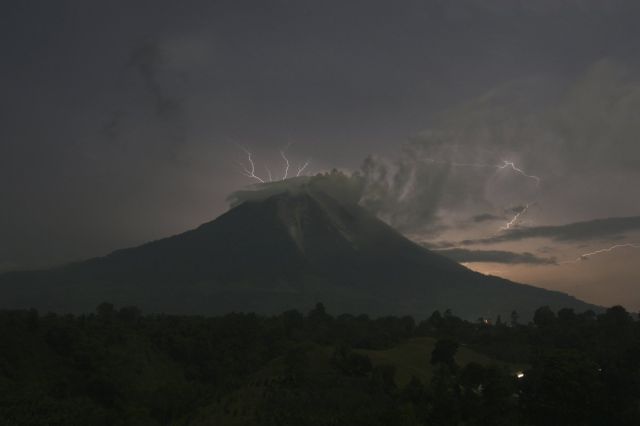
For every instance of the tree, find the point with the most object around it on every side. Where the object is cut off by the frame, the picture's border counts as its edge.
(514, 318)
(562, 388)
(383, 378)
(544, 317)
(129, 314)
(296, 359)
(566, 315)
(444, 353)
(616, 317)
(292, 320)
(472, 375)
(351, 363)
(33, 320)
(318, 314)
(105, 311)
(408, 324)
(435, 320)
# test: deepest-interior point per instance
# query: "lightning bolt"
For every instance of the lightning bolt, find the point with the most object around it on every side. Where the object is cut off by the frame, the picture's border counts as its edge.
(301, 168)
(286, 168)
(250, 172)
(513, 167)
(505, 164)
(515, 218)
(586, 256)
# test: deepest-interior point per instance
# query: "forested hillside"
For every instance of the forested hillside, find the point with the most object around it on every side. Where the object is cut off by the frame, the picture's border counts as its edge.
(120, 367)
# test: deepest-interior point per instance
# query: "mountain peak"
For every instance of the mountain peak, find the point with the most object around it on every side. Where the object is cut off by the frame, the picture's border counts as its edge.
(287, 250)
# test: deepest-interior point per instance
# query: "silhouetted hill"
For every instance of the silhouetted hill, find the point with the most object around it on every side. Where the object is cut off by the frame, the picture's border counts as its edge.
(287, 251)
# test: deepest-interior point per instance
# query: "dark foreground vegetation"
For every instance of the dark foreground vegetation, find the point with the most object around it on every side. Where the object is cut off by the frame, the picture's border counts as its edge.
(120, 367)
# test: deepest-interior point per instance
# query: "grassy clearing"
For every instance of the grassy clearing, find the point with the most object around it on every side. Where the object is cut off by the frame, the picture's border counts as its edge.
(412, 358)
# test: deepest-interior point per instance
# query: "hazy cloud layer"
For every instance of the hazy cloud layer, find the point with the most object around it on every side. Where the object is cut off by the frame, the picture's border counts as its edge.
(519, 145)
(580, 231)
(494, 256)
(486, 217)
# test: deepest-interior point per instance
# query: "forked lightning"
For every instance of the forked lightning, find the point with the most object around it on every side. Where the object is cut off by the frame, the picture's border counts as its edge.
(250, 170)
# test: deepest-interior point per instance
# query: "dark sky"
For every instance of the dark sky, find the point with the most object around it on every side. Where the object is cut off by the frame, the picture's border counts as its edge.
(123, 121)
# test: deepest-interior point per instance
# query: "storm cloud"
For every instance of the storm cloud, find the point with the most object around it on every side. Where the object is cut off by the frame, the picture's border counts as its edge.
(579, 137)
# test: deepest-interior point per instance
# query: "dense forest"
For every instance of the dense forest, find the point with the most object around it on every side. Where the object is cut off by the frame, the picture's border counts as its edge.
(120, 367)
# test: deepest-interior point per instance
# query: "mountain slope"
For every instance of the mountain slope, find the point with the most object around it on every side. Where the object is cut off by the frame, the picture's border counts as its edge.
(287, 251)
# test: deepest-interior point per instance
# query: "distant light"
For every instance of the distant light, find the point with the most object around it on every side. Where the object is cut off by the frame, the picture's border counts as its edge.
(519, 374)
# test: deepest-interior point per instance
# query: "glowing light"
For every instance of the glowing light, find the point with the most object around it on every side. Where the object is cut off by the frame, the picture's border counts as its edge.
(250, 170)
(513, 167)
(505, 165)
(301, 169)
(286, 168)
(586, 256)
(515, 218)
(520, 375)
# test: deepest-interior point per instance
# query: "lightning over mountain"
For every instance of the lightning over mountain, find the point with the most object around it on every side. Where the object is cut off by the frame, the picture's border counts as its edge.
(586, 256)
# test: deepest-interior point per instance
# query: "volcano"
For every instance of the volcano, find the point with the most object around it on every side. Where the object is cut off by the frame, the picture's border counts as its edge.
(288, 250)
